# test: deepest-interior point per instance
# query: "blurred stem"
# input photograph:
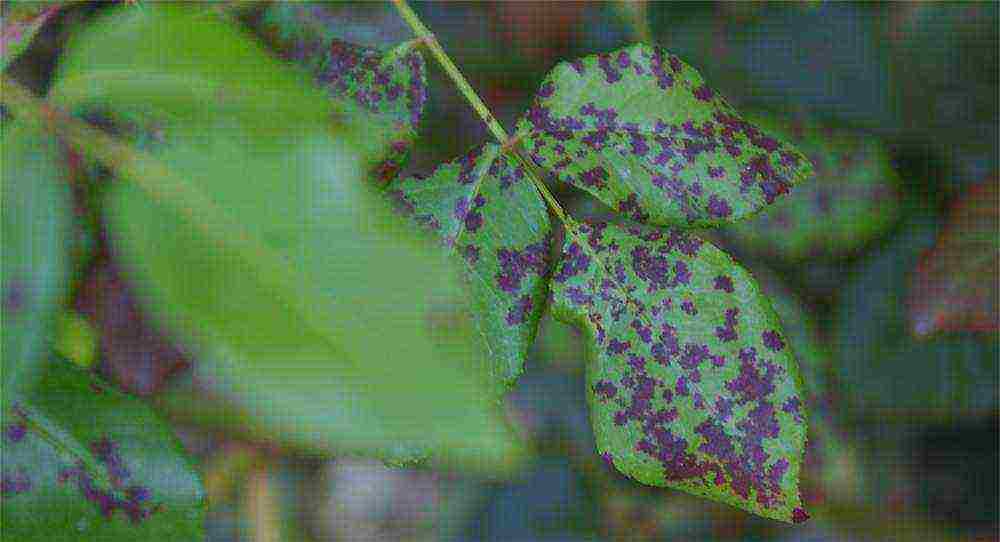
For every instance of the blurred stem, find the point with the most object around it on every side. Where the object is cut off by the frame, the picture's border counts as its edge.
(637, 14)
(507, 144)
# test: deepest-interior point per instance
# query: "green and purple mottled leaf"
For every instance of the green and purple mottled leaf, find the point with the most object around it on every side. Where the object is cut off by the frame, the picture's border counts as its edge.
(37, 220)
(642, 132)
(19, 22)
(489, 215)
(955, 287)
(83, 462)
(851, 201)
(692, 384)
(387, 89)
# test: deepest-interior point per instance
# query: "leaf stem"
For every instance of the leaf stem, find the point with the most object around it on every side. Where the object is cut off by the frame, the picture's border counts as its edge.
(507, 144)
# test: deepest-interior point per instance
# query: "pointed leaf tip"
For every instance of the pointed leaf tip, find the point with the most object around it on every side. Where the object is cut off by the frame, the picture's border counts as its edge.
(692, 384)
(641, 131)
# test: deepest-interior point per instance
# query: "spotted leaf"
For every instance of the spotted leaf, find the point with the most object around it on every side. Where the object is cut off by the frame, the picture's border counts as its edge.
(19, 22)
(852, 199)
(692, 384)
(641, 131)
(384, 91)
(955, 286)
(489, 215)
(84, 462)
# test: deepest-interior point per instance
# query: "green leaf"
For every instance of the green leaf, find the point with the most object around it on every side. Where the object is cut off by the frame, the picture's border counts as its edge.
(19, 22)
(489, 215)
(955, 286)
(692, 385)
(387, 90)
(260, 248)
(83, 462)
(851, 201)
(641, 131)
(36, 229)
(886, 373)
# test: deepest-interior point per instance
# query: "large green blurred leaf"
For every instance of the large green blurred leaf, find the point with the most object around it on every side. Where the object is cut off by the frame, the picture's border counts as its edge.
(645, 134)
(262, 249)
(885, 372)
(83, 462)
(692, 384)
(489, 215)
(36, 230)
(851, 200)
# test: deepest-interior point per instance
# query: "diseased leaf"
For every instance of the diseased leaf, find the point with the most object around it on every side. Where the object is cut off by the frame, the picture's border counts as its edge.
(850, 202)
(388, 89)
(36, 230)
(642, 132)
(692, 384)
(19, 22)
(489, 215)
(955, 285)
(83, 462)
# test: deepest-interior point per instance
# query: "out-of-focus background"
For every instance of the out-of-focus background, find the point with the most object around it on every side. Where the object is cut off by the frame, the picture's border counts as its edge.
(883, 269)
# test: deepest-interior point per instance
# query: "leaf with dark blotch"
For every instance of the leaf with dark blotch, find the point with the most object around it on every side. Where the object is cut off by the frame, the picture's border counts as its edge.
(852, 199)
(641, 131)
(692, 384)
(387, 89)
(36, 230)
(489, 215)
(19, 22)
(955, 286)
(84, 462)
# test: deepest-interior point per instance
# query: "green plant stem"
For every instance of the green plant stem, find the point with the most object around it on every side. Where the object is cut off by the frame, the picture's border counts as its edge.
(506, 143)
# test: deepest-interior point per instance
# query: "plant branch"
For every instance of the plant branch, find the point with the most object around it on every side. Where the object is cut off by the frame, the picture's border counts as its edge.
(506, 143)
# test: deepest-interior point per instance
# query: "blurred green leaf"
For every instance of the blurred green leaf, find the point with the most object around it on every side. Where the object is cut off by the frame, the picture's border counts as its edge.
(851, 200)
(884, 371)
(691, 382)
(36, 231)
(264, 251)
(955, 286)
(19, 22)
(492, 220)
(83, 462)
(644, 133)
(387, 90)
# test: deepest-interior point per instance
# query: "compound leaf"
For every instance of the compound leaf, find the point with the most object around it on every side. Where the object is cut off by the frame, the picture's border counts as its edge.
(642, 132)
(84, 462)
(490, 216)
(692, 384)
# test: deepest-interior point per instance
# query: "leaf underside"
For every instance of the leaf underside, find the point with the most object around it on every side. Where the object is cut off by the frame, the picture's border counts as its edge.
(81, 461)
(641, 131)
(489, 216)
(388, 90)
(691, 383)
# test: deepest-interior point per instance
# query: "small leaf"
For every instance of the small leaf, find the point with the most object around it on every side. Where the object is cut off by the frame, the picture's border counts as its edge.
(489, 215)
(852, 200)
(642, 132)
(692, 384)
(19, 22)
(36, 228)
(389, 89)
(955, 286)
(83, 462)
